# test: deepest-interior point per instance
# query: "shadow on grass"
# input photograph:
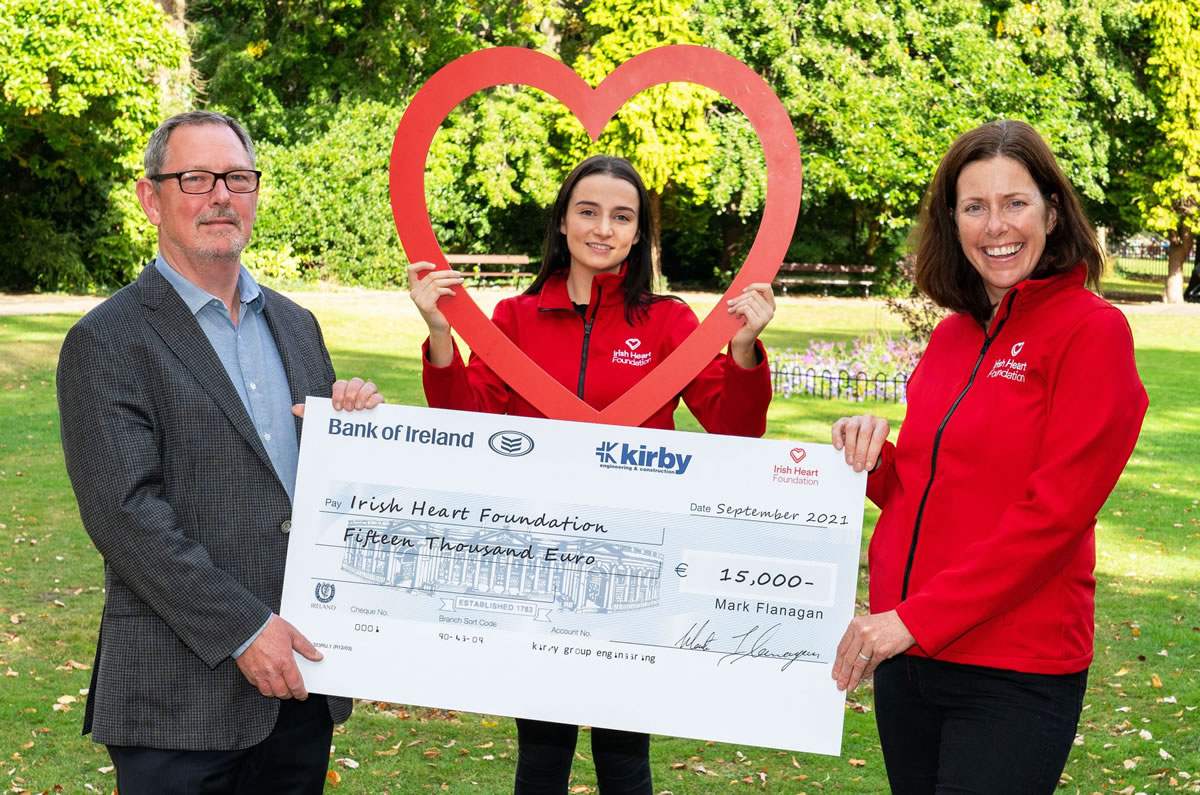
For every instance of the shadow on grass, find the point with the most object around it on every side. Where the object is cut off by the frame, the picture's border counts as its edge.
(32, 342)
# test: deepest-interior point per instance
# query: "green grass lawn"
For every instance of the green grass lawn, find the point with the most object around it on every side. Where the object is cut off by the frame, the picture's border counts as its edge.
(1138, 731)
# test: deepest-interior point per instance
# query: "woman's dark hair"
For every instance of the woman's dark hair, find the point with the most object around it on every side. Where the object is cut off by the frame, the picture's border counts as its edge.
(556, 258)
(943, 271)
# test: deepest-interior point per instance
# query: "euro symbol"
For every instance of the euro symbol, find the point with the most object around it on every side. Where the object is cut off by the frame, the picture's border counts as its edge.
(681, 569)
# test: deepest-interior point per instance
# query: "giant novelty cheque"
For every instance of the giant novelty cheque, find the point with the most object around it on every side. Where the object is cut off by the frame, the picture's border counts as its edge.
(678, 583)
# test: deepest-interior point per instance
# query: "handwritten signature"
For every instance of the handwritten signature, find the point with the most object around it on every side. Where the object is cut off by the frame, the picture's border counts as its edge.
(754, 642)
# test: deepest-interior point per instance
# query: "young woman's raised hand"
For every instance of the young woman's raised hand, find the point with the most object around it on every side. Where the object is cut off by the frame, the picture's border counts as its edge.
(427, 290)
(425, 293)
(756, 307)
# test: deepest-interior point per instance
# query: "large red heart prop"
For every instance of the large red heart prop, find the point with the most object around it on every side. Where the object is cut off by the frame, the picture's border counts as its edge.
(594, 107)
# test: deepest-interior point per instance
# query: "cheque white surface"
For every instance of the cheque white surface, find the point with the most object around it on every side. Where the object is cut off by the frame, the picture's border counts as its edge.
(677, 583)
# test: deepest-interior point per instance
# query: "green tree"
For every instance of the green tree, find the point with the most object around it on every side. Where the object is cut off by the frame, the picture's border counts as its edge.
(491, 170)
(663, 130)
(79, 99)
(285, 68)
(1167, 180)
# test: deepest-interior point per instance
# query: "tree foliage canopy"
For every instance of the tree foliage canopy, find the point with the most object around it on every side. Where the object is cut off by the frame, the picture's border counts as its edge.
(79, 97)
(876, 89)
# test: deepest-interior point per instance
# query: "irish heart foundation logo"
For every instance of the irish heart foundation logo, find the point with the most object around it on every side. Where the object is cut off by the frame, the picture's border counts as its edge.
(633, 343)
(594, 108)
(798, 454)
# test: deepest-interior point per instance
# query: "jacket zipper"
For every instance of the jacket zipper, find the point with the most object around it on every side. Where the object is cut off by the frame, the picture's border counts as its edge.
(937, 440)
(587, 336)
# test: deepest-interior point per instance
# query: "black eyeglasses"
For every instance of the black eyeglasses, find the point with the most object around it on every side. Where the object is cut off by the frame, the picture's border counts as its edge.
(242, 180)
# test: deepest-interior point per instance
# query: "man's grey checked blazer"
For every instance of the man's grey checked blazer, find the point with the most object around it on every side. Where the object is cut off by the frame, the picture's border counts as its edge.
(179, 496)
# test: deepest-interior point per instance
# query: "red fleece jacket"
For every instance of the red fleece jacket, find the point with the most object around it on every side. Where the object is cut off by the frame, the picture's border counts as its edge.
(601, 357)
(1012, 441)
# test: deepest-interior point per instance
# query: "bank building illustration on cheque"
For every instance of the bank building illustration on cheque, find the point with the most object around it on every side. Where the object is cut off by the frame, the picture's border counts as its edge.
(511, 570)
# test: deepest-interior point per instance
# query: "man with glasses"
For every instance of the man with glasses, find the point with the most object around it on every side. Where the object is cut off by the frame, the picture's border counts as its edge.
(177, 397)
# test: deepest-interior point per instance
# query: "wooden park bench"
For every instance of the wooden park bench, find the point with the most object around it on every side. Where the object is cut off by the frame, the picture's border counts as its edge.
(795, 274)
(466, 262)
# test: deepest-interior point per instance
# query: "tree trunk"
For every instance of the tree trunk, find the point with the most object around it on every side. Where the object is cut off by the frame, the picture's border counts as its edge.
(732, 232)
(176, 86)
(1178, 248)
(657, 283)
(872, 239)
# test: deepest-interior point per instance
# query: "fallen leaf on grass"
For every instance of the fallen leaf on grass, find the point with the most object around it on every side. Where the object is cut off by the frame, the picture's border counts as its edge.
(678, 766)
(1122, 672)
(1145, 735)
(580, 789)
(347, 762)
(432, 753)
(1162, 752)
(388, 752)
(334, 777)
(488, 744)
(71, 665)
(106, 769)
(858, 762)
(1154, 680)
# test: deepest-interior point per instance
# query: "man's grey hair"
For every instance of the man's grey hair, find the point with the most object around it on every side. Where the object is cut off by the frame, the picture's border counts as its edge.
(156, 149)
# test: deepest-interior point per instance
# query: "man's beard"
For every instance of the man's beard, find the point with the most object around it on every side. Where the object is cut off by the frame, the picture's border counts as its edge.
(228, 247)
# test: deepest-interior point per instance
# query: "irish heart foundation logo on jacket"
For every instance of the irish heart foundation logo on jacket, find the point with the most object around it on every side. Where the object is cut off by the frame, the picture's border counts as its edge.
(629, 355)
(1010, 369)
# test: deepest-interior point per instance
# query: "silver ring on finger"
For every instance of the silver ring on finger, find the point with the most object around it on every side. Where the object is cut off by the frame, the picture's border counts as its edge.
(863, 657)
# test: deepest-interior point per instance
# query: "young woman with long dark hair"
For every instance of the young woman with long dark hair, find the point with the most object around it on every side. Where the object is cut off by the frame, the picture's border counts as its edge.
(591, 321)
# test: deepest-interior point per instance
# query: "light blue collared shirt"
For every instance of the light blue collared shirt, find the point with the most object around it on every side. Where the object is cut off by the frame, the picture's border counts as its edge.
(251, 360)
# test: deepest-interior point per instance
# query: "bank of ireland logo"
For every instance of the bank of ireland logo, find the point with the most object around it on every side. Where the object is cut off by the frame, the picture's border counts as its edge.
(511, 443)
(605, 452)
(324, 592)
(633, 343)
(1017, 348)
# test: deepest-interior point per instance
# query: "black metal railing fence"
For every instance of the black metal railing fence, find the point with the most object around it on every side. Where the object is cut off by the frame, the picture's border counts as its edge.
(790, 380)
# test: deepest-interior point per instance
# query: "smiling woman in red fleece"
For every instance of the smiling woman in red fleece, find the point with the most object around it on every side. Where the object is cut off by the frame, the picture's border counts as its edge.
(590, 321)
(1021, 415)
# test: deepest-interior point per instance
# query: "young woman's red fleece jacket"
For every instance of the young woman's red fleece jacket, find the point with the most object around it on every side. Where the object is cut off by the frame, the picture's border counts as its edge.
(600, 356)
(1012, 441)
